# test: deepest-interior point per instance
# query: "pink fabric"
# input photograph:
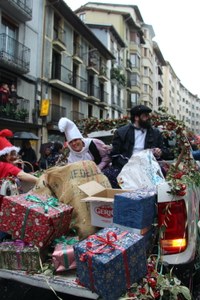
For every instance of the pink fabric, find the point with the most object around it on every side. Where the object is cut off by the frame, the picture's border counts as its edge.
(104, 151)
(58, 257)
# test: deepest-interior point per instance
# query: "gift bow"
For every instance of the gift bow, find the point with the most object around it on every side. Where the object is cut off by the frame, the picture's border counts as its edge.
(17, 243)
(111, 238)
(65, 241)
(50, 202)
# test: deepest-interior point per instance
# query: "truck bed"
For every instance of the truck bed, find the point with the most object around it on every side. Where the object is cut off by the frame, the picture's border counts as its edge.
(65, 284)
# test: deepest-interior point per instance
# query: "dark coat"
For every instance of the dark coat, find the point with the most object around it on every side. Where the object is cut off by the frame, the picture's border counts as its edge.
(123, 143)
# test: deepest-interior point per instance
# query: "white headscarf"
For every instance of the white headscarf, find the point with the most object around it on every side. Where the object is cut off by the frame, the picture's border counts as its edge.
(83, 154)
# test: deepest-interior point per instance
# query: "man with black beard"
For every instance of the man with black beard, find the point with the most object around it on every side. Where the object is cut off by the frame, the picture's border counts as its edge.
(132, 138)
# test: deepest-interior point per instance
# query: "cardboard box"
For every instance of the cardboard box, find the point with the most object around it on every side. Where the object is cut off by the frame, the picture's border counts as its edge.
(101, 202)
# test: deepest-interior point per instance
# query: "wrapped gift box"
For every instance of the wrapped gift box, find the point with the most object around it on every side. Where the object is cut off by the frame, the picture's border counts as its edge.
(16, 255)
(34, 219)
(63, 255)
(136, 209)
(110, 261)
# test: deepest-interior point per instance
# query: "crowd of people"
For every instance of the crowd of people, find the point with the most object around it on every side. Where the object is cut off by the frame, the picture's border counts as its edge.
(8, 95)
(129, 139)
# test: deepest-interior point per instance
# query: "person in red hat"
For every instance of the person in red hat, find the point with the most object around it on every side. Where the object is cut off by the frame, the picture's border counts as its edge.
(8, 155)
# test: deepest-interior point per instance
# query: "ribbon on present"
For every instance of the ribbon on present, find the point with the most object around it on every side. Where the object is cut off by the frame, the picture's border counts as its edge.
(50, 202)
(64, 241)
(105, 245)
(18, 243)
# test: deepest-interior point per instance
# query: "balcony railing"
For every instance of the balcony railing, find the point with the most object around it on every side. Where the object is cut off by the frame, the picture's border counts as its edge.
(117, 75)
(93, 62)
(15, 110)
(20, 9)
(56, 112)
(103, 72)
(115, 100)
(58, 39)
(103, 97)
(78, 50)
(94, 91)
(128, 65)
(13, 54)
(65, 75)
(76, 115)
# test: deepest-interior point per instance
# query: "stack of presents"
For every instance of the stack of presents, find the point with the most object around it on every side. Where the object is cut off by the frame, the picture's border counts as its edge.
(107, 262)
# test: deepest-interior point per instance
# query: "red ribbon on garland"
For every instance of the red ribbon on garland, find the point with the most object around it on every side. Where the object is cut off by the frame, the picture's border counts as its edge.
(105, 245)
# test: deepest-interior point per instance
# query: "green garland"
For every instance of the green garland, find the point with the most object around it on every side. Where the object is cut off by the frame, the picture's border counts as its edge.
(185, 172)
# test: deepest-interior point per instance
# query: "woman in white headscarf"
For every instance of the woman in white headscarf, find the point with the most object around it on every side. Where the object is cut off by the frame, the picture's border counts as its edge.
(84, 148)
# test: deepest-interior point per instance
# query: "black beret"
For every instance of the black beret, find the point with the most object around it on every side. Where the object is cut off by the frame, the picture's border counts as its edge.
(140, 109)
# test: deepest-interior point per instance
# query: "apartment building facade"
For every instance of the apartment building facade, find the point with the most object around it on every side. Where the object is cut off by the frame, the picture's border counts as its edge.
(74, 68)
(98, 63)
(57, 65)
(20, 59)
(127, 22)
(158, 82)
(179, 100)
(154, 81)
(116, 82)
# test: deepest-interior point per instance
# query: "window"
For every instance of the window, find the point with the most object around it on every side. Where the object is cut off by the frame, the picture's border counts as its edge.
(135, 79)
(135, 60)
(145, 71)
(145, 51)
(56, 65)
(9, 29)
(134, 37)
(82, 16)
(134, 99)
(146, 88)
(11, 32)
(101, 114)
(113, 114)
(118, 96)
(90, 111)
(145, 33)
(127, 34)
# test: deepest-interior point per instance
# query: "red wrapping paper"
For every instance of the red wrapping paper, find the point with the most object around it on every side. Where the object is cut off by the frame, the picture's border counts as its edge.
(29, 222)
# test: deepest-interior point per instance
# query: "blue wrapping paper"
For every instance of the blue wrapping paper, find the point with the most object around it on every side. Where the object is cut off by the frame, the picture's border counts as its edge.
(110, 273)
(135, 209)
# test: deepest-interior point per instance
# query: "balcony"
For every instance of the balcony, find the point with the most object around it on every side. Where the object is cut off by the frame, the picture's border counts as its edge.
(103, 98)
(58, 43)
(76, 115)
(117, 76)
(14, 55)
(103, 73)
(93, 63)
(17, 110)
(64, 79)
(94, 93)
(56, 112)
(19, 9)
(78, 53)
(128, 65)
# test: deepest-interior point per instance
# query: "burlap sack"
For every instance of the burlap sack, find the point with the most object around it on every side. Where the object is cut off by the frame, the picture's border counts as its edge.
(63, 182)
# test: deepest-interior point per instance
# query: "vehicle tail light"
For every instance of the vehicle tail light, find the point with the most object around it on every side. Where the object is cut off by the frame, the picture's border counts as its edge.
(172, 222)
